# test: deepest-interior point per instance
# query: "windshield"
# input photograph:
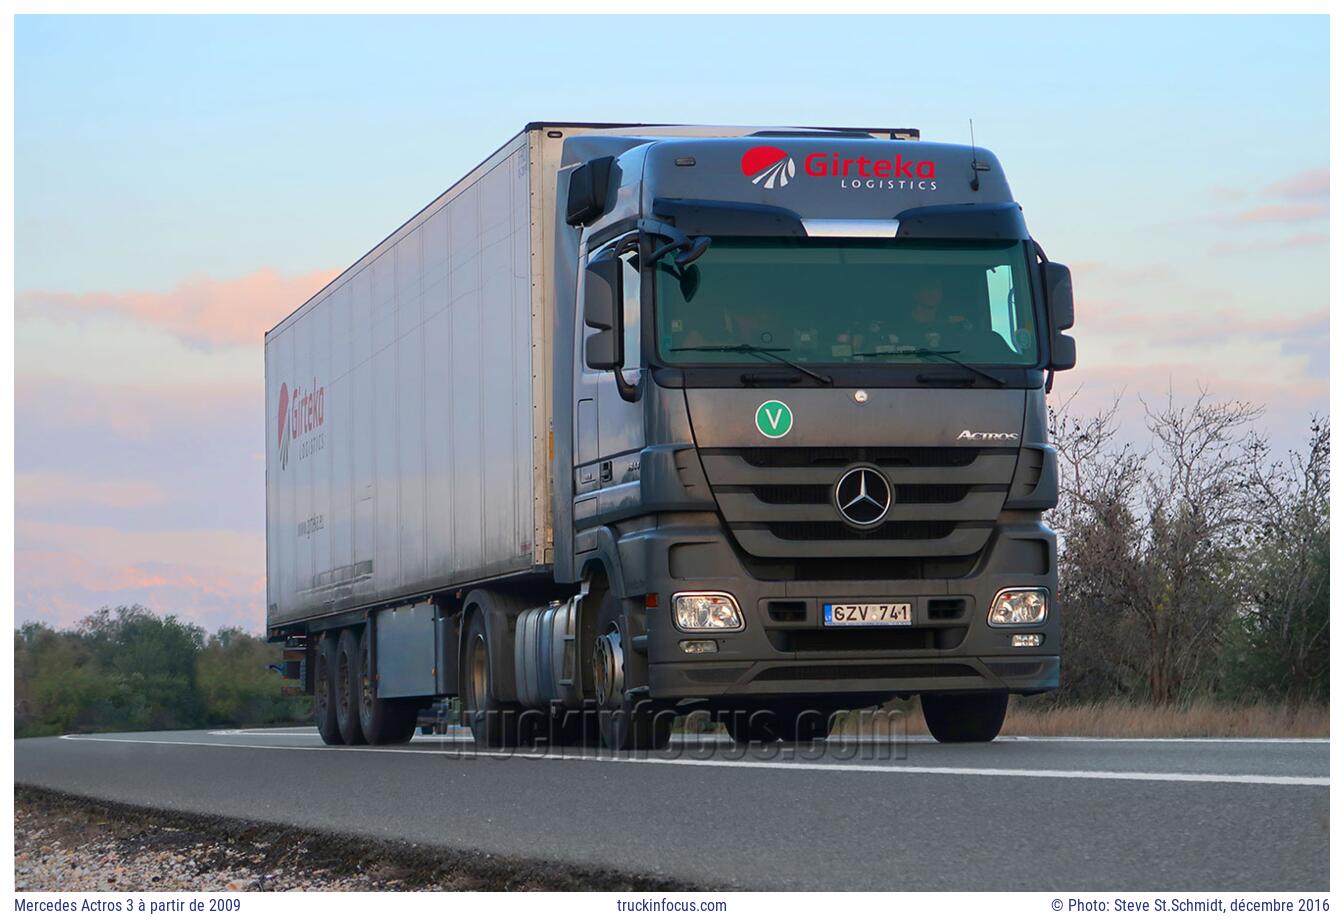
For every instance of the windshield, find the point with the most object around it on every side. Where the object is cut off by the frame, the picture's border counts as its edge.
(848, 301)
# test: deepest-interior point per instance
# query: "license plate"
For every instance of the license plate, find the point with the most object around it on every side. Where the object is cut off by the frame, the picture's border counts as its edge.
(866, 614)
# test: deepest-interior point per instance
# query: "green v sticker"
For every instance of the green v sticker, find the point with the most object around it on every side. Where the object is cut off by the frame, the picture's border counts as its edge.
(774, 419)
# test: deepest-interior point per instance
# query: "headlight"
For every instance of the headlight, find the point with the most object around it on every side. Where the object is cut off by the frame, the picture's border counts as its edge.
(698, 612)
(1018, 607)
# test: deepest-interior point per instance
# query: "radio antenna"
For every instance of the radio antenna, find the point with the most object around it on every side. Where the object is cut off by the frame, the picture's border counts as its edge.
(975, 165)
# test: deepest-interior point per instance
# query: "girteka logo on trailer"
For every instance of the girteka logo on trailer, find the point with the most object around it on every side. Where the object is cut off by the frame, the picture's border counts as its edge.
(300, 413)
(770, 167)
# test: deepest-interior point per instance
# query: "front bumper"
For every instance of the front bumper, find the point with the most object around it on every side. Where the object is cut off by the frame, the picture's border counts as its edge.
(784, 650)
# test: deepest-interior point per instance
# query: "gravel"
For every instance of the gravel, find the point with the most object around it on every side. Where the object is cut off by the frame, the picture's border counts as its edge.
(69, 843)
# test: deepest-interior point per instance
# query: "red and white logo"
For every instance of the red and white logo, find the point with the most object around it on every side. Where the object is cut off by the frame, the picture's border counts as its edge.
(284, 425)
(301, 413)
(768, 166)
(771, 167)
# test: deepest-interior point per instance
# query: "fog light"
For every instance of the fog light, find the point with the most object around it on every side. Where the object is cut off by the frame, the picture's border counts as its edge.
(1018, 607)
(699, 611)
(1020, 640)
(700, 646)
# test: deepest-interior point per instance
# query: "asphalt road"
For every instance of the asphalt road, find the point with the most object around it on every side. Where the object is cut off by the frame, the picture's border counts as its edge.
(1037, 814)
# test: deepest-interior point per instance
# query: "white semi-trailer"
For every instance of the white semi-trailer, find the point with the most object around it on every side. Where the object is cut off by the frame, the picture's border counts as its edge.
(634, 419)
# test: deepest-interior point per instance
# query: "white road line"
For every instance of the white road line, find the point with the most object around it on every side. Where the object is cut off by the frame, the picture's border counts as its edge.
(1241, 778)
(457, 732)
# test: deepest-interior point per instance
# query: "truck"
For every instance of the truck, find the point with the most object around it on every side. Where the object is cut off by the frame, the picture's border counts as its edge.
(638, 420)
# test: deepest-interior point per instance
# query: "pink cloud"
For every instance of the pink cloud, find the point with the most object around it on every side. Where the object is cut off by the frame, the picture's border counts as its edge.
(1294, 242)
(54, 489)
(121, 548)
(1310, 183)
(201, 311)
(61, 587)
(1188, 327)
(1281, 214)
(128, 410)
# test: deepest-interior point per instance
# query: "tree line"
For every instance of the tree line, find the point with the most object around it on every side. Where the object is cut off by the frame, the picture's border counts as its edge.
(1197, 565)
(130, 669)
(1193, 567)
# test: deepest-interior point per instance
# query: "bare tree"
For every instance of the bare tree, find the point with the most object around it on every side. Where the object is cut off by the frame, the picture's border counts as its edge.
(1288, 621)
(1152, 546)
(1196, 499)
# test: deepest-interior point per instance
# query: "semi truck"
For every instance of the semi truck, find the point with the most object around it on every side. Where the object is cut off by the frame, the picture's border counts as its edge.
(637, 420)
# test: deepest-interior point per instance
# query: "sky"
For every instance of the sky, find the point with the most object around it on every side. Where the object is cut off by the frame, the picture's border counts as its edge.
(182, 183)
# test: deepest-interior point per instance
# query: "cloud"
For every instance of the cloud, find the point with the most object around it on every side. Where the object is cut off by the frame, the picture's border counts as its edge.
(1308, 184)
(203, 312)
(1280, 214)
(63, 587)
(46, 489)
(123, 547)
(1295, 242)
(133, 411)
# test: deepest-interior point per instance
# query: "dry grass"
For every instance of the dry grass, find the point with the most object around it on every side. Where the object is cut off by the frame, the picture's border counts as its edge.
(1195, 720)
(1124, 720)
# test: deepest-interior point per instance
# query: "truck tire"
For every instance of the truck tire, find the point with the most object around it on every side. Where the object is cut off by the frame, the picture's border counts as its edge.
(624, 723)
(381, 721)
(324, 689)
(792, 723)
(346, 687)
(958, 718)
(493, 722)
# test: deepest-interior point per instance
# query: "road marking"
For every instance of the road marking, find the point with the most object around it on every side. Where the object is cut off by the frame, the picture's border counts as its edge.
(1237, 778)
(459, 732)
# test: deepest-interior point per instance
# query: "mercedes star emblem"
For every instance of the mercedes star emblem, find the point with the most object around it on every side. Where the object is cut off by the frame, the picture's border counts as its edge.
(862, 496)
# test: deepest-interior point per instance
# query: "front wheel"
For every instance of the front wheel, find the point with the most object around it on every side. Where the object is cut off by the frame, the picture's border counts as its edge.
(625, 723)
(957, 718)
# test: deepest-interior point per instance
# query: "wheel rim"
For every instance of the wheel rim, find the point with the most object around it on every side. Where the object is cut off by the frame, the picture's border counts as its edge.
(479, 673)
(609, 668)
(342, 683)
(365, 690)
(321, 688)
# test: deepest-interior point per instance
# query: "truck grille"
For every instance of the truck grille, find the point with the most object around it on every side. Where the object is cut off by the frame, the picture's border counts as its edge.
(778, 501)
(821, 494)
(844, 456)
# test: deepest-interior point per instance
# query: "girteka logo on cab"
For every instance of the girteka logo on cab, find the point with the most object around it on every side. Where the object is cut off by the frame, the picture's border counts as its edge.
(301, 414)
(771, 167)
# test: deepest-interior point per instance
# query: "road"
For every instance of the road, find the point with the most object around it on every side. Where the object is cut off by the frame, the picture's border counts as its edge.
(1028, 813)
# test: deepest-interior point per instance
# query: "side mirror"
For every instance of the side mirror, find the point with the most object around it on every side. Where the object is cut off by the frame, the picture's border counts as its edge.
(588, 188)
(1059, 307)
(1059, 294)
(603, 350)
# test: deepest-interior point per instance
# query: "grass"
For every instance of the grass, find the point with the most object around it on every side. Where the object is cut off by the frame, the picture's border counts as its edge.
(1124, 720)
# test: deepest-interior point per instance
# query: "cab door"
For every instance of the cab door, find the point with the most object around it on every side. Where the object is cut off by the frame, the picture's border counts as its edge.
(608, 427)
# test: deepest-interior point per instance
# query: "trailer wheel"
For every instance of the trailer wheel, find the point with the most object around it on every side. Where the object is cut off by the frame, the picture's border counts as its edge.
(381, 721)
(955, 718)
(324, 689)
(493, 722)
(792, 723)
(624, 723)
(346, 686)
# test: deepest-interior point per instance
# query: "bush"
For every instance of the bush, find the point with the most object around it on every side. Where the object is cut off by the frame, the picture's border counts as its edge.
(130, 669)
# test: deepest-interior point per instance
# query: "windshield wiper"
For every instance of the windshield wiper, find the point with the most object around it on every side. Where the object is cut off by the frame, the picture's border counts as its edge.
(760, 352)
(933, 353)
